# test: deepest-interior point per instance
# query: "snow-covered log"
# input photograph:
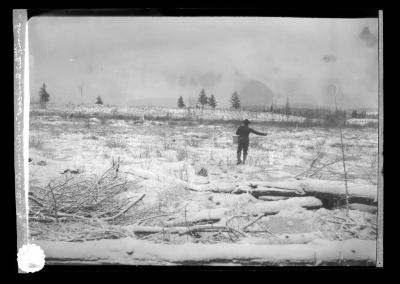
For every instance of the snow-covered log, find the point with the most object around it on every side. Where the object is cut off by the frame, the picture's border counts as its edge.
(322, 189)
(173, 230)
(131, 251)
(273, 207)
(364, 208)
(215, 215)
(272, 198)
(300, 238)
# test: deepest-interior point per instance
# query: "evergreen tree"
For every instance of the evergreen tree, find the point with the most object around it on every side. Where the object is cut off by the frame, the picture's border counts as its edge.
(235, 100)
(99, 101)
(181, 104)
(212, 102)
(203, 100)
(44, 96)
(271, 109)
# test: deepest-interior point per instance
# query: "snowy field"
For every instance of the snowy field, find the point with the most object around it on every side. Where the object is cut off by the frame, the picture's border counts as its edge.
(185, 201)
(168, 113)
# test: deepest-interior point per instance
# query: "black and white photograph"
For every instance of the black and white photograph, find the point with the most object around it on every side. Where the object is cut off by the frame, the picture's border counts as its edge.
(202, 141)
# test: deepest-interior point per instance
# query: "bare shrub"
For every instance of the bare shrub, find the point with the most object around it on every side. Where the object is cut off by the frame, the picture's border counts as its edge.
(193, 142)
(202, 172)
(92, 137)
(255, 144)
(103, 120)
(158, 153)
(115, 143)
(181, 154)
(255, 161)
(182, 173)
(103, 132)
(167, 143)
(146, 153)
(87, 123)
(36, 142)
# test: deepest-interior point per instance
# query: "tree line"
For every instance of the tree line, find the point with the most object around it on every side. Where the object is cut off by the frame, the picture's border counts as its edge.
(204, 100)
(210, 100)
(44, 97)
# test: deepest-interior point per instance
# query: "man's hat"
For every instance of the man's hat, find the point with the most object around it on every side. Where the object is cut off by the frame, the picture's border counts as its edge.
(246, 121)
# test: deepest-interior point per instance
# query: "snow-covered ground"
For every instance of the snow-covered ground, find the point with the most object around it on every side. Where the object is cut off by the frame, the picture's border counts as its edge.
(361, 121)
(168, 112)
(183, 113)
(162, 159)
(139, 252)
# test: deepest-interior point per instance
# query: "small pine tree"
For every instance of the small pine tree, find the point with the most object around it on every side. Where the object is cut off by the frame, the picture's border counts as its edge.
(288, 111)
(202, 98)
(99, 101)
(271, 109)
(44, 96)
(212, 102)
(181, 104)
(235, 100)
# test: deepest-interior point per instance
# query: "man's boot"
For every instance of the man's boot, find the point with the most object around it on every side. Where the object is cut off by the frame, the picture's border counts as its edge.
(244, 158)
(238, 159)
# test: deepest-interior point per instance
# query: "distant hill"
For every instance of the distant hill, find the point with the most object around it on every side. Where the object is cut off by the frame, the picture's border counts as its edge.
(255, 95)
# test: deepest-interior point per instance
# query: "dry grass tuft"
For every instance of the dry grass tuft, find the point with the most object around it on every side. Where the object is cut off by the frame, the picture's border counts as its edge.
(182, 154)
(36, 142)
(116, 143)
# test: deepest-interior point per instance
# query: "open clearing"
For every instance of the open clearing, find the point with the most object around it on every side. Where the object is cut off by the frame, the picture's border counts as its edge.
(182, 195)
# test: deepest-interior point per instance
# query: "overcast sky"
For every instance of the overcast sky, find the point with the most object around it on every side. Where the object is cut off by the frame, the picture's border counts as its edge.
(141, 58)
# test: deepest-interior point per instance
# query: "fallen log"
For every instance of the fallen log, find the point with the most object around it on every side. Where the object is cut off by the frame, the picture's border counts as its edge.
(256, 189)
(272, 198)
(335, 190)
(363, 208)
(174, 230)
(327, 191)
(273, 207)
(271, 191)
(131, 251)
(213, 215)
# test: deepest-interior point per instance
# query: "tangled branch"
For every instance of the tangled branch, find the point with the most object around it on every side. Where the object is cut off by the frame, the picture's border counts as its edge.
(78, 196)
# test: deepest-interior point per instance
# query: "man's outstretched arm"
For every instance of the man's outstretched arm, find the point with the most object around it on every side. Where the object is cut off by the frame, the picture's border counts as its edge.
(258, 133)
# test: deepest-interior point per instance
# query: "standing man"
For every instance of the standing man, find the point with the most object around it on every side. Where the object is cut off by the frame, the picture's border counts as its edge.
(243, 132)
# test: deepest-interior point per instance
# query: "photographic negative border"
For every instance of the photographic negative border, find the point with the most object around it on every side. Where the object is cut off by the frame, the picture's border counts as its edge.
(379, 240)
(22, 96)
(21, 124)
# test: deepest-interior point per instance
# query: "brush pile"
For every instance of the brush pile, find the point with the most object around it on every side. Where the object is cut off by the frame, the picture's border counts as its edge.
(79, 196)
